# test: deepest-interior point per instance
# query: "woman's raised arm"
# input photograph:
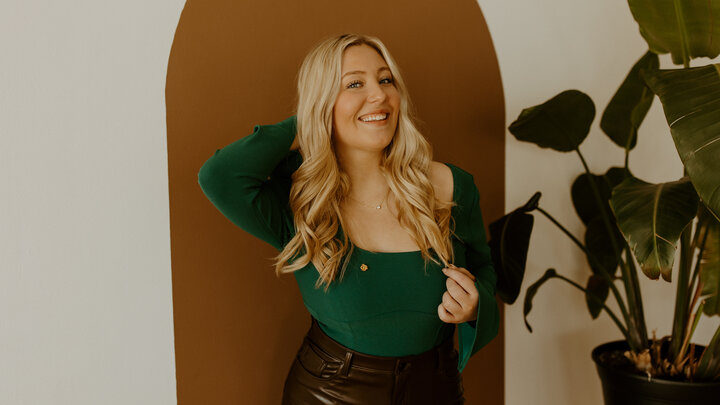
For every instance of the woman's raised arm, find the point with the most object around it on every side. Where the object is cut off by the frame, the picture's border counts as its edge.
(248, 181)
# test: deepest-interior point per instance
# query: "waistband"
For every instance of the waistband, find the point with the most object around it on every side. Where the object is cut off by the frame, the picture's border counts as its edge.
(435, 357)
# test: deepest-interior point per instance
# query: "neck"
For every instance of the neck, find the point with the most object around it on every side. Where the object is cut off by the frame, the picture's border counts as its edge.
(363, 168)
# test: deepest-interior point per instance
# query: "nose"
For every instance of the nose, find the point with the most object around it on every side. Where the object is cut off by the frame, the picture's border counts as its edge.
(376, 93)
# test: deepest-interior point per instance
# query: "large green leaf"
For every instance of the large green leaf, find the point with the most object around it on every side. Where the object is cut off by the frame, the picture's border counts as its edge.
(597, 239)
(710, 264)
(692, 30)
(596, 293)
(509, 241)
(561, 123)
(628, 107)
(651, 218)
(583, 198)
(601, 255)
(691, 100)
(602, 260)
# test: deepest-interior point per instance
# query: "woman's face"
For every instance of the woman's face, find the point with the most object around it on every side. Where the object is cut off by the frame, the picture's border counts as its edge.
(366, 110)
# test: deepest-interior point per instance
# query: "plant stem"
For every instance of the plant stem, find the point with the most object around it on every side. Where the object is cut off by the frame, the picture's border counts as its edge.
(691, 329)
(680, 319)
(636, 322)
(593, 297)
(696, 296)
(627, 150)
(562, 228)
(608, 278)
(627, 160)
(636, 304)
(696, 270)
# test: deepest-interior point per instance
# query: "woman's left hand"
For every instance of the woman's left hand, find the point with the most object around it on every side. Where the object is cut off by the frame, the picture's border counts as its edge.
(460, 301)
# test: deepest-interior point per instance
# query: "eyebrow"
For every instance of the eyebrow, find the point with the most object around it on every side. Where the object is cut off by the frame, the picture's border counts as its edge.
(362, 71)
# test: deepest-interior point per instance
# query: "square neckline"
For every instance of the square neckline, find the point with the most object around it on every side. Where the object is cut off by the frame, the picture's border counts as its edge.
(407, 252)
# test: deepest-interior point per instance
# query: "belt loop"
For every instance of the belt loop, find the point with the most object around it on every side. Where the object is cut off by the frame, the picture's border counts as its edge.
(345, 369)
(401, 365)
(396, 371)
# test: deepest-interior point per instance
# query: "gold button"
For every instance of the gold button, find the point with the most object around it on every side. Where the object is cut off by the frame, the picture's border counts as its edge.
(363, 267)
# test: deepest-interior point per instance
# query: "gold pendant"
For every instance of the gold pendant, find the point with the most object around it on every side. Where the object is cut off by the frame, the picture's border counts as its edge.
(363, 267)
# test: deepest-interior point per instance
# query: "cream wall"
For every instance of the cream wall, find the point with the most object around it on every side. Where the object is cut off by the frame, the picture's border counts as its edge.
(85, 293)
(545, 47)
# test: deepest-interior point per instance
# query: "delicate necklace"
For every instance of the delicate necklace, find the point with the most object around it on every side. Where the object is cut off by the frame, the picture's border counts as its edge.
(377, 207)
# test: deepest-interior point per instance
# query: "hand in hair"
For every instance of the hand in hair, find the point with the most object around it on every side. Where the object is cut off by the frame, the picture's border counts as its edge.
(460, 301)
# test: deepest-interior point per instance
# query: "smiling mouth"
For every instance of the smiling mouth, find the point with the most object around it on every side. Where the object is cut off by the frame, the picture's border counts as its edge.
(374, 117)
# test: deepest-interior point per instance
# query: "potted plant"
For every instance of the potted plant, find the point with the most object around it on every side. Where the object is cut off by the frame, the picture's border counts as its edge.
(633, 226)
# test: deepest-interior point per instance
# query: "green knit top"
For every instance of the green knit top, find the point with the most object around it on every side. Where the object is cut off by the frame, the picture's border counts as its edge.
(391, 308)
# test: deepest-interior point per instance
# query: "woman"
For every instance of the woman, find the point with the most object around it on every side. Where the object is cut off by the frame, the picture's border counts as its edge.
(396, 239)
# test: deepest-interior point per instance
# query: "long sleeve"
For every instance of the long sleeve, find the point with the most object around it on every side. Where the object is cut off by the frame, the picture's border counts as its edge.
(249, 182)
(474, 335)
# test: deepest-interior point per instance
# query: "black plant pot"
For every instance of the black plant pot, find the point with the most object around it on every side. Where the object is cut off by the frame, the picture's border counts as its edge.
(621, 387)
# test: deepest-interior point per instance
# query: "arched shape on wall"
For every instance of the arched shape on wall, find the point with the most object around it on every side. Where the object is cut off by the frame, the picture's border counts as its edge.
(234, 65)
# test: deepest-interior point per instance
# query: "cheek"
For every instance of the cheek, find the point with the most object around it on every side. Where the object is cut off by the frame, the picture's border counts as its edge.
(345, 107)
(343, 117)
(395, 99)
(340, 121)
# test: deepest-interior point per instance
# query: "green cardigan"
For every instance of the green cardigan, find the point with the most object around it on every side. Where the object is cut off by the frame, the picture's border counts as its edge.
(391, 308)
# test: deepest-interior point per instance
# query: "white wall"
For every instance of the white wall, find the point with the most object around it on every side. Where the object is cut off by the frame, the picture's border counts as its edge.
(545, 47)
(85, 287)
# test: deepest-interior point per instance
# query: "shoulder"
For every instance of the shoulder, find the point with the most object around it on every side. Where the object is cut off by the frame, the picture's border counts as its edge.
(441, 177)
(452, 183)
(467, 199)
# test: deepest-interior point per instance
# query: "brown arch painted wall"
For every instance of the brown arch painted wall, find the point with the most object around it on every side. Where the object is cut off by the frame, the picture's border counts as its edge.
(233, 65)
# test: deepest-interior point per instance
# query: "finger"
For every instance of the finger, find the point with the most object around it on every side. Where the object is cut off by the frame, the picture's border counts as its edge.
(464, 270)
(456, 278)
(468, 302)
(453, 306)
(461, 278)
(459, 294)
(444, 315)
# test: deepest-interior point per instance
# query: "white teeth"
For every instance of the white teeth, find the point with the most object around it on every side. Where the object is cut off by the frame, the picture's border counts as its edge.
(374, 117)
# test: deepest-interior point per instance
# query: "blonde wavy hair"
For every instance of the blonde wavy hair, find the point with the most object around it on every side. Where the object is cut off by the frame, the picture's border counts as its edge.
(319, 185)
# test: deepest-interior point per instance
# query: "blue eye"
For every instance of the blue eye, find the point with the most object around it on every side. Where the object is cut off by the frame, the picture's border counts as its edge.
(351, 85)
(388, 80)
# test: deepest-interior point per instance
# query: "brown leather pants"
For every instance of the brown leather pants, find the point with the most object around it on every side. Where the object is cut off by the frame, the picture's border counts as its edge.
(326, 372)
